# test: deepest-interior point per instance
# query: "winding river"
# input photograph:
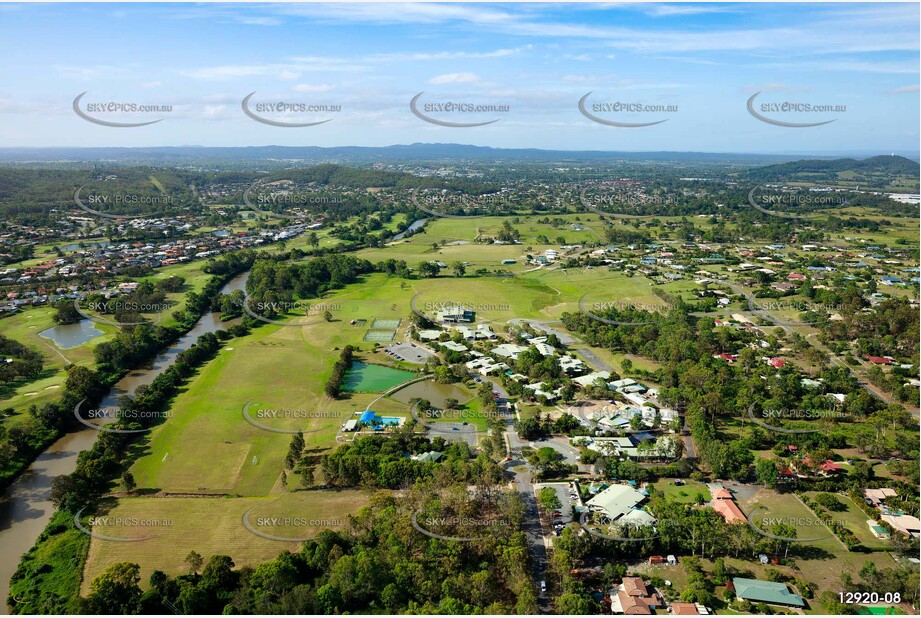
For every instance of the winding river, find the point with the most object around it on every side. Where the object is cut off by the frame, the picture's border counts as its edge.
(25, 507)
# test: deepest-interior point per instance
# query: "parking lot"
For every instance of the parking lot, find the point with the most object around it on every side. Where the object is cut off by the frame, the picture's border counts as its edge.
(408, 352)
(453, 432)
(564, 492)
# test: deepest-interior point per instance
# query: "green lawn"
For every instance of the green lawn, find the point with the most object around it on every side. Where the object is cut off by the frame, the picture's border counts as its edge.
(686, 493)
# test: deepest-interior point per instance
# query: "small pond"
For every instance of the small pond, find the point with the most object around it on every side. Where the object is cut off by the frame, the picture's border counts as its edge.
(67, 336)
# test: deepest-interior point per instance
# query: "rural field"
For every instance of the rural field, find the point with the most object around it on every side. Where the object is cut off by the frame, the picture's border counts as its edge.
(213, 526)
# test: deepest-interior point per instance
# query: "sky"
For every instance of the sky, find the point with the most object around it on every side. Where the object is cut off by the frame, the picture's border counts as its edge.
(697, 65)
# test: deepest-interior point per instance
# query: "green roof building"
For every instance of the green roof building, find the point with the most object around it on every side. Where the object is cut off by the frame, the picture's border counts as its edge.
(766, 592)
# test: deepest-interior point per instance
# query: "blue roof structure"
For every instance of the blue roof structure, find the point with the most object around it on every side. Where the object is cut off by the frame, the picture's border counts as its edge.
(367, 416)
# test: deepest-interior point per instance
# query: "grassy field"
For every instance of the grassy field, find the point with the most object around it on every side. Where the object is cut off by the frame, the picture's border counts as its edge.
(855, 520)
(686, 493)
(789, 509)
(213, 526)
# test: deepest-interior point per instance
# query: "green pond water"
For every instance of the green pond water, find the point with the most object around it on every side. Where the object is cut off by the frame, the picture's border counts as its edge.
(437, 394)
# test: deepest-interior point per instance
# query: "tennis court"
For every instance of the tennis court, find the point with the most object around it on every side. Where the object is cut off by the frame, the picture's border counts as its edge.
(379, 336)
(380, 324)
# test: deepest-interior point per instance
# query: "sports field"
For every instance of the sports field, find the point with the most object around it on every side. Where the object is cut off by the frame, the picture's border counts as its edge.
(379, 336)
(384, 324)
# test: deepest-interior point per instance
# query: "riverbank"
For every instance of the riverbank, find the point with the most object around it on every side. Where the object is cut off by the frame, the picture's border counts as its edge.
(26, 508)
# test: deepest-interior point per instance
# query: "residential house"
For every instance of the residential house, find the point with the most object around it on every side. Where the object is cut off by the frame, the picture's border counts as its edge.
(773, 593)
(633, 598)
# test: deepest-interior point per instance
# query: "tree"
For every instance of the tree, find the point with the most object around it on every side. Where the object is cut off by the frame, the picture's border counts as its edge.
(574, 604)
(194, 561)
(116, 590)
(548, 499)
(720, 573)
(327, 316)
(766, 472)
(626, 365)
(429, 269)
(128, 483)
(328, 600)
(459, 269)
(66, 313)
(218, 578)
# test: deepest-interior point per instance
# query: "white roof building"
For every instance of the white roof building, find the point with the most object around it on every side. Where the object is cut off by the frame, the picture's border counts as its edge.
(615, 501)
(509, 350)
(589, 378)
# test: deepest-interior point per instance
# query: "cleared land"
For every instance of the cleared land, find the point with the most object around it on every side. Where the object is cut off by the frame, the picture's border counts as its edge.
(214, 526)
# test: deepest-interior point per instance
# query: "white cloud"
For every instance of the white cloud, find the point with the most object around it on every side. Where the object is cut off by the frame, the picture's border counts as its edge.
(454, 78)
(312, 88)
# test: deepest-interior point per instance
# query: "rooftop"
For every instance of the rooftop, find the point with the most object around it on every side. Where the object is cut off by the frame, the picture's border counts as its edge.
(766, 592)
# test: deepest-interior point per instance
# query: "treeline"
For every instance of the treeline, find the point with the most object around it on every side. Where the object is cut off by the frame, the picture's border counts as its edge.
(334, 383)
(20, 442)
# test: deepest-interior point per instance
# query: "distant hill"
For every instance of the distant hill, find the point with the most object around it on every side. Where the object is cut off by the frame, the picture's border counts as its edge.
(883, 164)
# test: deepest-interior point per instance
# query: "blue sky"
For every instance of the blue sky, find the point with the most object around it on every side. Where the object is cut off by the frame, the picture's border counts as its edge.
(538, 59)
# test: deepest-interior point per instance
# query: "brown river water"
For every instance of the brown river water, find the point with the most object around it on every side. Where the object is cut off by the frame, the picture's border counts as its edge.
(25, 506)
